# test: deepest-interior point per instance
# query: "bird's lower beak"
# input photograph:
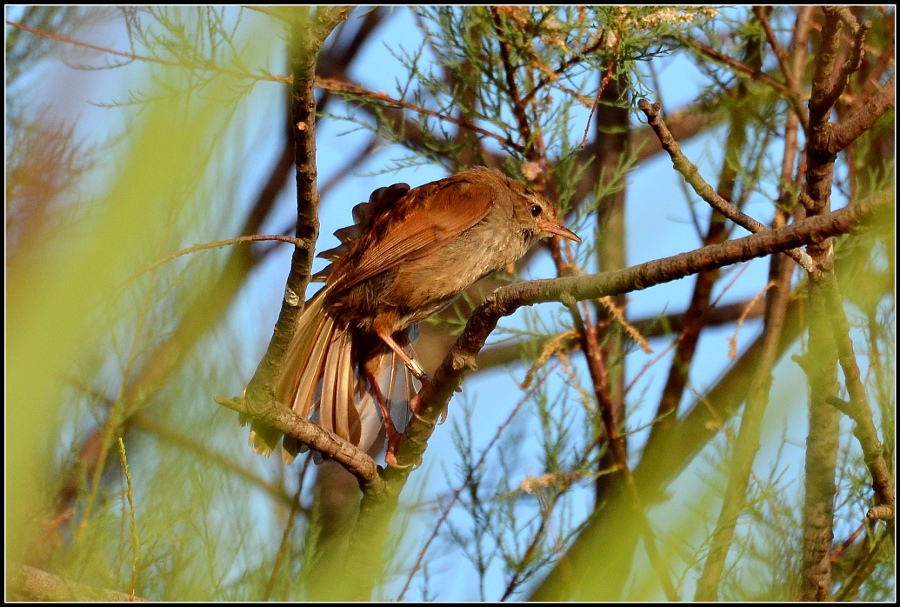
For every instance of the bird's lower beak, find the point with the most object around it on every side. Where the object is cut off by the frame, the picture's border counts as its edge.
(559, 229)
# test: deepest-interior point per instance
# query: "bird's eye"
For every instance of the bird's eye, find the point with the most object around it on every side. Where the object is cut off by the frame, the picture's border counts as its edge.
(536, 210)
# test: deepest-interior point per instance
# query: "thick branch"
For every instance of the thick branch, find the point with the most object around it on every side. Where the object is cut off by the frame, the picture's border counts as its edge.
(286, 422)
(820, 365)
(33, 585)
(823, 95)
(848, 130)
(307, 35)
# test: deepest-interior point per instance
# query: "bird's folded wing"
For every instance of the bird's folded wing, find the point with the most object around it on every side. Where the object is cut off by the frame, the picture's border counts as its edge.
(425, 220)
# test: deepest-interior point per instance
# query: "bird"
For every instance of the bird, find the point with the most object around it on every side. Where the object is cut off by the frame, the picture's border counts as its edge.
(410, 253)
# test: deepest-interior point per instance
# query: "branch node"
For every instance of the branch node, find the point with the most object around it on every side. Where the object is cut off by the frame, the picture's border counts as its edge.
(462, 362)
(880, 513)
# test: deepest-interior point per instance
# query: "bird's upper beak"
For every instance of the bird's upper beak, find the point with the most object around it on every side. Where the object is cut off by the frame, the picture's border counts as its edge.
(555, 227)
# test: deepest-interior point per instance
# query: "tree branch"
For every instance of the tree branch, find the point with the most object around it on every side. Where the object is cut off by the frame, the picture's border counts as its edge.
(793, 95)
(33, 585)
(506, 300)
(692, 175)
(661, 464)
(858, 409)
(307, 36)
(846, 131)
(286, 422)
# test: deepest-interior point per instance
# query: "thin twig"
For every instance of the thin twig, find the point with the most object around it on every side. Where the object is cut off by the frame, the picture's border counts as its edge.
(454, 495)
(149, 59)
(737, 65)
(616, 442)
(285, 544)
(518, 104)
(793, 95)
(692, 175)
(606, 78)
(325, 84)
(347, 88)
(175, 439)
(874, 81)
(135, 541)
(216, 244)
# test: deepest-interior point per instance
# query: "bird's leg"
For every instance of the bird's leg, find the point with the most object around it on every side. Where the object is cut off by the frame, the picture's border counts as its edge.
(389, 427)
(414, 367)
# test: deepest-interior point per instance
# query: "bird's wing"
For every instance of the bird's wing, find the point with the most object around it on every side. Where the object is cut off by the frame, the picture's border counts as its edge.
(425, 220)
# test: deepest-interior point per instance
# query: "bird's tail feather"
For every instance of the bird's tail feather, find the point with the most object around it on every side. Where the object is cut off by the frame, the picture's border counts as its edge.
(321, 381)
(320, 377)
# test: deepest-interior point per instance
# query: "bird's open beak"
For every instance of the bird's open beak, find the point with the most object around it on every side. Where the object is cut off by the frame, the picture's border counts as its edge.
(554, 227)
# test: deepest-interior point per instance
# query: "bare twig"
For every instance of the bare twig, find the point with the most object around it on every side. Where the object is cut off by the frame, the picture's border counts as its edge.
(606, 78)
(692, 175)
(167, 435)
(737, 65)
(135, 541)
(616, 442)
(333, 85)
(354, 90)
(215, 244)
(518, 104)
(794, 94)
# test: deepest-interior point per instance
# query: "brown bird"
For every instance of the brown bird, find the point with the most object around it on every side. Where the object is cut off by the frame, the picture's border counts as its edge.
(410, 253)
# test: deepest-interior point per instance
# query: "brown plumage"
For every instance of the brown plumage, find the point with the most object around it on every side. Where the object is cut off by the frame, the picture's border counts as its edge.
(410, 253)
